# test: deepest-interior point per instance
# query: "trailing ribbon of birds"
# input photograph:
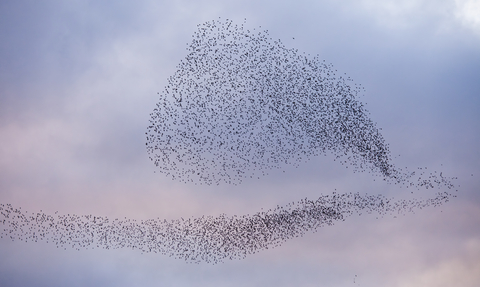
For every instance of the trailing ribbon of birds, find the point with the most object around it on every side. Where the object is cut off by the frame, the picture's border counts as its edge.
(207, 239)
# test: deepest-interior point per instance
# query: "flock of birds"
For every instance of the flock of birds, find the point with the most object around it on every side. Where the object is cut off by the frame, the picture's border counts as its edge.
(239, 105)
(204, 239)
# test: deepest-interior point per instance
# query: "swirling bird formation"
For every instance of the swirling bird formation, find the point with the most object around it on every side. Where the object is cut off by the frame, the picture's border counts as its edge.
(239, 105)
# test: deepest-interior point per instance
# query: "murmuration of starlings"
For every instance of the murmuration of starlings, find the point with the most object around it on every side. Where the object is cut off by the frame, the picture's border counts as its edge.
(239, 105)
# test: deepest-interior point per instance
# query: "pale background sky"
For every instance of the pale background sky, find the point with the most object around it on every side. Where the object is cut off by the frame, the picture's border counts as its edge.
(78, 80)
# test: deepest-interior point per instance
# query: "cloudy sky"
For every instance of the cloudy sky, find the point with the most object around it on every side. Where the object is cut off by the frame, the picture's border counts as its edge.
(79, 79)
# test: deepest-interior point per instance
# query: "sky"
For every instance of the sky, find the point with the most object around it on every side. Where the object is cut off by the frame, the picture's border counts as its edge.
(79, 79)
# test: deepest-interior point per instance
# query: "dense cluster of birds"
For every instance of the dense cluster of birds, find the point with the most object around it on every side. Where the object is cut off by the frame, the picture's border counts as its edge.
(204, 239)
(239, 105)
